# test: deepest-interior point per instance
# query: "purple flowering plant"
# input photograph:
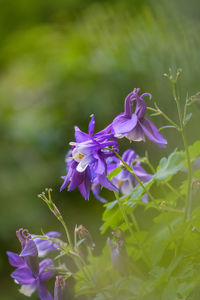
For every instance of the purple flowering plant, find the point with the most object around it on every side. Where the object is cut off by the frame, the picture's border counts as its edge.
(152, 249)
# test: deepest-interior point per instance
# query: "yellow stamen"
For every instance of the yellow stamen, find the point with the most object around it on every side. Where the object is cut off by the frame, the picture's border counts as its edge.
(120, 182)
(79, 156)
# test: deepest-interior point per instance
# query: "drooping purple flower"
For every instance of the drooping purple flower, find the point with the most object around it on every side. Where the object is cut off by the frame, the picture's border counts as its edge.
(124, 180)
(60, 290)
(31, 274)
(45, 246)
(86, 162)
(134, 126)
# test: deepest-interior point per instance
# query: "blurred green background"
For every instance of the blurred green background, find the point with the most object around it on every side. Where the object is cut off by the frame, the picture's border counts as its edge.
(62, 60)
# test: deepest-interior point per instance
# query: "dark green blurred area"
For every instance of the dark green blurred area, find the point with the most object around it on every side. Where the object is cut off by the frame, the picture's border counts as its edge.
(62, 60)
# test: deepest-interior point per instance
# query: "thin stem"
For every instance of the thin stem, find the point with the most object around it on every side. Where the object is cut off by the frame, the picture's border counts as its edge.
(149, 164)
(159, 111)
(67, 232)
(172, 210)
(124, 214)
(166, 183)
(187, 201)
(135, 222)
(173, 189)
(190, 201)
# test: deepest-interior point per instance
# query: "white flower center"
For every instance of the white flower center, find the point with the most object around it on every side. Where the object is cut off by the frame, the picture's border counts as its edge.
(82, 159)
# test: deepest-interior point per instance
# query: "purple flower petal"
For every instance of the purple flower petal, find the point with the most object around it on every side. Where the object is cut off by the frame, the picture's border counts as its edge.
(123, 124)
(80, 136)
(146, 94)
(91, 125)
(96, 188)
(20, 238)
(103, 180)
(152, 133)
(23, 276)
(47, 269)
(145, 198)
(43, 292)
(53, 234)
(140, 108)
(67, 178)
(76, 180)
(127, 187)
(15, 260)
(136, 134)
(128, 103)
(129, 156)
(30, 249)
(84, 187)
(45, 246)
(100, 167)
(141, 173)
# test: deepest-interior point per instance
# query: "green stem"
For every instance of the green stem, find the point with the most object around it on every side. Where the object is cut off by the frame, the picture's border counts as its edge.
(187, 201)
(67, 232)
(166, 183)
(135, 222)
(190, 202)
(124, 214)
(171, 210)
(173, 189)
(164, 116)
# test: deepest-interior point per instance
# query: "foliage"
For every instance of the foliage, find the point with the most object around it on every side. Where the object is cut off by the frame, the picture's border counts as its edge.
(157, 258)
(62, 60)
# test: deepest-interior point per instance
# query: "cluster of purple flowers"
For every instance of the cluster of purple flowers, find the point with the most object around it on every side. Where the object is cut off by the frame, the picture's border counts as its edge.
(93, 155)
(88, 163)
(30, 273)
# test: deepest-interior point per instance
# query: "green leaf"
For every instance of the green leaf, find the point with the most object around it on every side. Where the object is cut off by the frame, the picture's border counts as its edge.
(114, 172)
(187, 118)
(169, 166)
(112, 216)
(138, 193)
(167, 126)
(194, 150)
(110, 205)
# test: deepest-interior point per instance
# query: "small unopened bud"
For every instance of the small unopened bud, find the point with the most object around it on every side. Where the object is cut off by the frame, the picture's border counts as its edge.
(60, 290)
(83, 233)
(118, 254)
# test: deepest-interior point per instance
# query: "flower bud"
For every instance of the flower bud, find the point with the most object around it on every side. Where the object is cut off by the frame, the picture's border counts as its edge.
(60, 290)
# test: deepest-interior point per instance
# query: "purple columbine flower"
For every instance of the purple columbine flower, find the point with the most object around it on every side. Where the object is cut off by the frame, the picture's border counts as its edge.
(86, 162)
(134, 126)
(124, 180)
(31, 274)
